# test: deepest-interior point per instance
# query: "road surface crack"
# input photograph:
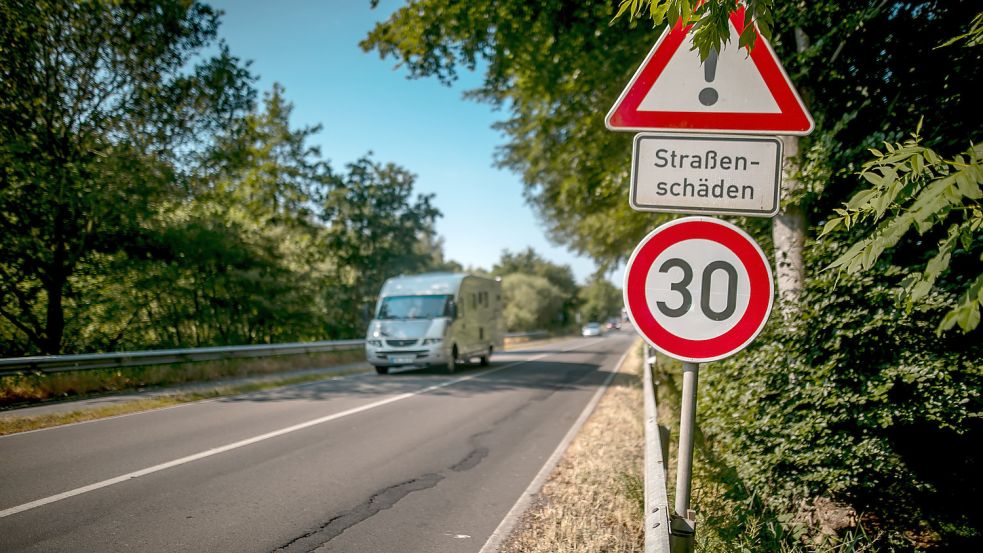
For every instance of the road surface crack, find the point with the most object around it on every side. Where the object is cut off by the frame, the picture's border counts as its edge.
(471, 460)
(380, 501)
(388, 497)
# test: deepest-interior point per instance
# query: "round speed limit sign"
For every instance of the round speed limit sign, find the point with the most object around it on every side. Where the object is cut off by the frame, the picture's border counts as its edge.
(698, 289)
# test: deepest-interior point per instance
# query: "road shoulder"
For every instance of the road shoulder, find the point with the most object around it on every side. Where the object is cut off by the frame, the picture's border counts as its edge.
(591, 499)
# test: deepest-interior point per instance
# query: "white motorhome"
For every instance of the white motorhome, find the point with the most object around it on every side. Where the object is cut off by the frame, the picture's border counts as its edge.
(435, 319)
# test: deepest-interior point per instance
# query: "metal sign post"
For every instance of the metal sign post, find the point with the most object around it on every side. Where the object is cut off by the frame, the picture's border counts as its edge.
(683, 521)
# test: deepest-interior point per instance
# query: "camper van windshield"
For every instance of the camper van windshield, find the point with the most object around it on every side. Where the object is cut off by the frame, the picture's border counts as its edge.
(414, 307)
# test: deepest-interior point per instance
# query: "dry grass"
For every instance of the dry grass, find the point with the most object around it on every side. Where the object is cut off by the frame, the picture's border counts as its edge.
(14, 424)
(593, 500)
(525, 342)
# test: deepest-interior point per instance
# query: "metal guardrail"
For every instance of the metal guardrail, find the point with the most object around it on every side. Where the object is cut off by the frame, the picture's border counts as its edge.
(86, 361)
(656, 498)
(60, 363)
(533, 334)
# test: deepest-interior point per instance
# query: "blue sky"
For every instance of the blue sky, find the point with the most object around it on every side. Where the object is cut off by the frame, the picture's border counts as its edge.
(364, 104)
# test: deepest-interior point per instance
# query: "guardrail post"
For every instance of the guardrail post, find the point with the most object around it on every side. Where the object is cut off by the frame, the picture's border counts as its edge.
(657, 520)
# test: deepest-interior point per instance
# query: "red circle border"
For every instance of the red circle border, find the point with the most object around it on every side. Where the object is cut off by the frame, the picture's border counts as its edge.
(732, 238)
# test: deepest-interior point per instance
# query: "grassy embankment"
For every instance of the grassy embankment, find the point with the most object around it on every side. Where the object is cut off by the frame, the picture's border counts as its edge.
(38, 387)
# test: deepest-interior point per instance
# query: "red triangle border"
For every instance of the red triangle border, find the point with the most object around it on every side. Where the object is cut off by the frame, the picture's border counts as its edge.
(793, 118)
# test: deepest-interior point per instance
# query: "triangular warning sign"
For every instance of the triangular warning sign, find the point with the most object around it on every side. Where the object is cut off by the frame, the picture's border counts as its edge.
(730, 93)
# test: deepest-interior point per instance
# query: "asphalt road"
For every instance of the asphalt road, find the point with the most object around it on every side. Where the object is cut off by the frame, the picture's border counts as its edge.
(415, 461)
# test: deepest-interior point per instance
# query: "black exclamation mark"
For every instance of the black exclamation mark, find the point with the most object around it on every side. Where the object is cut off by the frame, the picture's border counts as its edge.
(708, 96)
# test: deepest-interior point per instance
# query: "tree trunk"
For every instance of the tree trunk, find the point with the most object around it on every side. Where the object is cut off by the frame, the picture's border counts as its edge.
(54, 286)
(55, 316)
(788, 235)
(789, 226)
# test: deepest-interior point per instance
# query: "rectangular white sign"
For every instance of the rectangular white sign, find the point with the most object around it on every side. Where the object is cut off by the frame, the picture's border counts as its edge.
(704, 174)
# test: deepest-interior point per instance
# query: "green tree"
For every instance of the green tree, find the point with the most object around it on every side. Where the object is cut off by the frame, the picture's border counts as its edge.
(374, 224)
(98, 102)
(530, 262)
(561, 276)
(916, 189)
(600, 300)
(239, 261)
(431, 245)
(531, 302)
(269, 169)
(554, 68)
(216, 280)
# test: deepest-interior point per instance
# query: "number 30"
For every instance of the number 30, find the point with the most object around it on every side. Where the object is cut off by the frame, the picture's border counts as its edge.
(681, 287)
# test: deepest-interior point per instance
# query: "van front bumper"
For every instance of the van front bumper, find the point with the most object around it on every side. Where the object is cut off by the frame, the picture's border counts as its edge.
(385, 356)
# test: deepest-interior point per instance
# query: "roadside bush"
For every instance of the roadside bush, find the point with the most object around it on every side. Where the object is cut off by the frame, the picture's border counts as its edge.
(859, 402)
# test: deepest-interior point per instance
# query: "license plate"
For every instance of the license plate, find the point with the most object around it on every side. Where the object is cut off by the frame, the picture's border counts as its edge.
(401, 358)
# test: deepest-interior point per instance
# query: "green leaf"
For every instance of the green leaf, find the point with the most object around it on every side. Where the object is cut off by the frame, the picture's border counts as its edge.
(967, 187)
(658, 13)
(852, 253)
(830, 226)
(873, 178)
(872, 253)
(921, 289)
(685, 11)
(625, 6)
(970, 318)
(967, 313)
(861, 198)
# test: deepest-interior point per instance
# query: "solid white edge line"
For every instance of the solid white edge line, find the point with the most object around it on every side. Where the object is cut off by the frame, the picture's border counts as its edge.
(249, 441)
(505, 527)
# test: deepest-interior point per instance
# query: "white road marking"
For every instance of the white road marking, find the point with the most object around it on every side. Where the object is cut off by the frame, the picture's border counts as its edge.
(249, 441)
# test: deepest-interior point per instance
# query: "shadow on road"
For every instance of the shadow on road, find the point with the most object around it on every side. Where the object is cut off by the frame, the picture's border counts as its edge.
(551, 376)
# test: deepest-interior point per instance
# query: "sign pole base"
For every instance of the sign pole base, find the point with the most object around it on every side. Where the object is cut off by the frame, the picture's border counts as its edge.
(682, 531)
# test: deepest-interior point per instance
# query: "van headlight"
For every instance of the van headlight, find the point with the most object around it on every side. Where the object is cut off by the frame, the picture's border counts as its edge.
(373, 343)
(428, 341)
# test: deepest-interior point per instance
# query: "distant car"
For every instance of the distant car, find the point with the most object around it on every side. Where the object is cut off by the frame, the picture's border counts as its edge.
(613, 324)
(592, 329)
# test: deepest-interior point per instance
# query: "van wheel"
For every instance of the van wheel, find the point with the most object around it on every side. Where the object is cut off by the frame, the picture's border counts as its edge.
(382, 370)
(452, 361)
(486, 357)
